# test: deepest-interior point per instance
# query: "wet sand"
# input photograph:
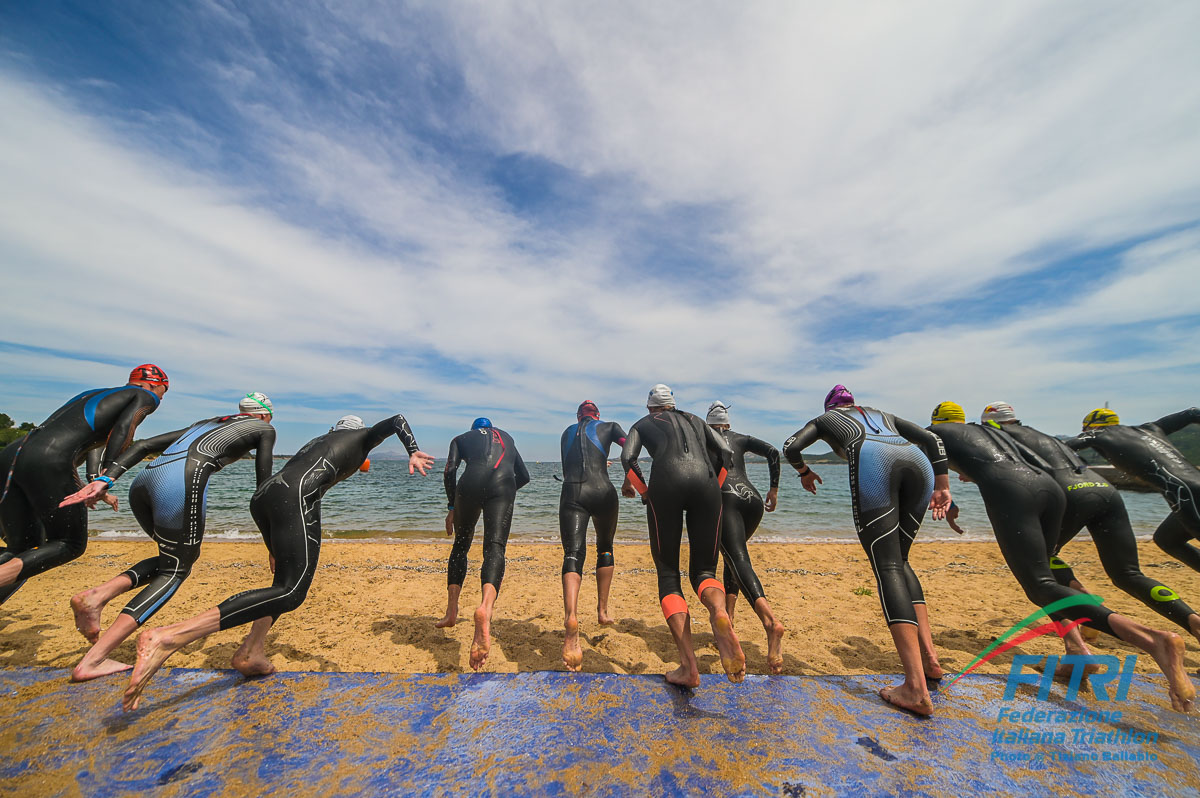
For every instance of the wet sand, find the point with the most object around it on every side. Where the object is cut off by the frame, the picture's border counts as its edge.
(372, 607)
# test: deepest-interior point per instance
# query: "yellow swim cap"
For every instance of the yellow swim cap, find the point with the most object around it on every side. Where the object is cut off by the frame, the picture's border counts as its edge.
(949, 413)
(1101, 417)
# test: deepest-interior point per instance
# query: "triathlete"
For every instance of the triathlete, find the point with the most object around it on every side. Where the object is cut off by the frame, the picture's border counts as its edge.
(169, 499)
(287, 510)
(587, 493)
(1147, 453)
(1025, 507)
(1093, 503)
(892, 482)
(687, 477)
(741, 511)
(36, 471)
(489, 485)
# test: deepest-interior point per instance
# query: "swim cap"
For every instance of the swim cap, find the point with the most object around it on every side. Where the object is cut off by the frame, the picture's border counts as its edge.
(838, 395)
(148, 372)
(587, 409)
(1101, 417)
(718, 413)
(256, 402)
(948, 413)
(481, 423)
(660, 396)
(998, 412)
(348, 422)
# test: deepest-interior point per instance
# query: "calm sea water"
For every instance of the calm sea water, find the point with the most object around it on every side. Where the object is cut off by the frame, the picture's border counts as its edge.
(387, 504)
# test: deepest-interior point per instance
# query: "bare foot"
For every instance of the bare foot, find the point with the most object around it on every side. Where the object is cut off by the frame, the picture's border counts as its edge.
(450, 619)
(87, 615)
(684, 676)
(603, 617)
(153, 648)
(905, 698)
(83, 672)
(732, 658)
(252, 664)
(775, 648)
(482, 643)
(933, 669)
(1167, 651)
(572, 653)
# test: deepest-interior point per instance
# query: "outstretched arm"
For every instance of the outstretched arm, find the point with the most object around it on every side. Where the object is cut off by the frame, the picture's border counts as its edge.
(133, 455)
(635, 483)
(397, 425)
(450, 474)
(929, 442)
(1177, 421)
(264, 455)
(519, 470)
(792, 448)
(764, 449)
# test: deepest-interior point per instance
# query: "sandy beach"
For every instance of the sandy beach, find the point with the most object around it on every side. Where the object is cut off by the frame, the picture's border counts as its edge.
(372, 607)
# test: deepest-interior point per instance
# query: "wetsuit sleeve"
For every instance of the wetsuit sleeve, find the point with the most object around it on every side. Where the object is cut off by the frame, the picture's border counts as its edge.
(629, 459)
(929, 442)
(396, 425)
(519, 470)
(264, 455)
(450, 475)
(1079, 442)
(140, 405)
(92, 461)
(140, 450)
(805, 436)
(1177, 421)
(618, 434)
(764, 449)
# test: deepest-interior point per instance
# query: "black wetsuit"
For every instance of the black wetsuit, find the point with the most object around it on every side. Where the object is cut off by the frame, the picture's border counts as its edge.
(891, 482)
(1025, 506)
(687, 477)
(170, 496)
(287, 509)
(1094, 503)
(1145, 452)
(587, 492)
(742, 510)
(489, 485)
(39, 471)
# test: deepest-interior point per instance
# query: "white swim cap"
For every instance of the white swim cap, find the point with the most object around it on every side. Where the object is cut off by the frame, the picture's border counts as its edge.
(660, 396)
(348, 422)
(998, 411)
(718, 413)
(256, 402)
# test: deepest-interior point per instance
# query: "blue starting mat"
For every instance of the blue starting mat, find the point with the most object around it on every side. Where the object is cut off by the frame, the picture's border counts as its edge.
(204, 732)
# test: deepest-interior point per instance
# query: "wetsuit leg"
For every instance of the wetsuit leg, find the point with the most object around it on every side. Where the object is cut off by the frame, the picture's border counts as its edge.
(21, 530)
(912, 498)
(294, 540)
(737, 516)
(1026, 520)
(178, 550)
(497, 521)
(703, 511)
(664, 517)
(466, 516)
(63, 533)
(604, 517)
(1174, 537)
(572, 529)
(1119, 555)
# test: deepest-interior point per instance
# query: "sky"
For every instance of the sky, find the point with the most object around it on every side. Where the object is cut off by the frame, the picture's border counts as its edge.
(451, 210)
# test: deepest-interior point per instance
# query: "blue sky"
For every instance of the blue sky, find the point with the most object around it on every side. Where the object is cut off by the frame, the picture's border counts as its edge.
(450, 210)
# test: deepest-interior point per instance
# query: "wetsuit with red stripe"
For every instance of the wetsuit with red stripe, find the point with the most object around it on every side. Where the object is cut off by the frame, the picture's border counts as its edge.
(39, 470)
(489, 485)
(686, 480)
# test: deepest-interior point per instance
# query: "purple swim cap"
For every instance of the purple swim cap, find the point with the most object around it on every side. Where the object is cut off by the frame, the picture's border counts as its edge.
(838, 396)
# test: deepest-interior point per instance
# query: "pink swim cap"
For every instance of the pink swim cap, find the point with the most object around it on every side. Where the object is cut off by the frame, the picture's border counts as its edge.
(838, 395)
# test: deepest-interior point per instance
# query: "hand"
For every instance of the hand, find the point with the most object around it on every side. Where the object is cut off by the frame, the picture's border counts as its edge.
(939, 503)
(421, 462)
(89, 492)
(271, 561)
(771, 500)
(627, 489)
(110, 500)
(951, 516)
(449, 523)
(810, 481)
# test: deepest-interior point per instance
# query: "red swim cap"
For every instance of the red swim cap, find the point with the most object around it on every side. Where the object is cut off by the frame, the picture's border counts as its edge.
(587, 409)
(148, 372)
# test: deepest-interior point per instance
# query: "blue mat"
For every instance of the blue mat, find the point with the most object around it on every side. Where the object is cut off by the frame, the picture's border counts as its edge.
(203, 732)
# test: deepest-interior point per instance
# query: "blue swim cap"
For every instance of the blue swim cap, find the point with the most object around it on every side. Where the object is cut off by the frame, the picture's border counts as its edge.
(481, 423)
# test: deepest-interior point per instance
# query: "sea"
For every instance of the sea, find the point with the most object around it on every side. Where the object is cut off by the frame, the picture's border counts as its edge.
(386, 504)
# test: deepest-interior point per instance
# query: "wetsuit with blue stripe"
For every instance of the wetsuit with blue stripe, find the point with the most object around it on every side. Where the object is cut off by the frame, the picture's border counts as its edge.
(489, 485)
(742, 511)
(587, 492)
(891, 482)
(1145, 452)
(1094, 503)
(287, 510)
(39, 470)
(170, 496)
